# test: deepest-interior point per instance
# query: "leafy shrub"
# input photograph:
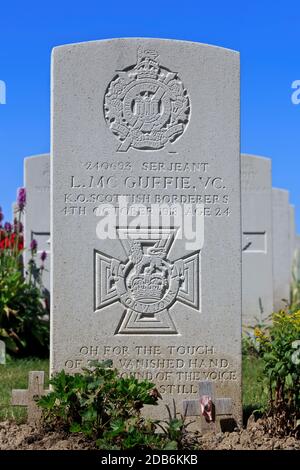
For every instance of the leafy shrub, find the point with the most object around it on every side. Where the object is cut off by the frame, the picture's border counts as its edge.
(21, 312)
(107, 408)
(176, 432)
(250, 345)
(22, 307)
(282, 369)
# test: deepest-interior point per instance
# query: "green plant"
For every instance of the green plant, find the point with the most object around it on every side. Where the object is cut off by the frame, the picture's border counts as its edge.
(255, 395)
(250, 345)
(282, 369)
(103, 406)
(107, 408)
(22, 307)
(21, 311)
(175, 431)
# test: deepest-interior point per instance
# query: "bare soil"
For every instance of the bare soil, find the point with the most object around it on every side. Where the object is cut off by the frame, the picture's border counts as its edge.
(26, 437)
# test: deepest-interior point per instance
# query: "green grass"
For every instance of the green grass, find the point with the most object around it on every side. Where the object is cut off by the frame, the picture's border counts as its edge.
(254, 395)
(15, 375)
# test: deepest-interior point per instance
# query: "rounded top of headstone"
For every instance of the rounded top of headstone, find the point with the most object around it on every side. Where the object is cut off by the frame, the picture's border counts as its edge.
(257, 163)
(135, 40)
(257, 157)
(41, 155)
(282, 191)
(147, 87)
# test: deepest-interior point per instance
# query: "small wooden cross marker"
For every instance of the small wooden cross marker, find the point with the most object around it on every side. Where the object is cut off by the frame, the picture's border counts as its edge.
(220, 406)
(27, 397)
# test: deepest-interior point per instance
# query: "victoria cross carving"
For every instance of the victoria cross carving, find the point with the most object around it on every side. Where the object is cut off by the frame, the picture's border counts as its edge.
(147, 284)
(146, 105)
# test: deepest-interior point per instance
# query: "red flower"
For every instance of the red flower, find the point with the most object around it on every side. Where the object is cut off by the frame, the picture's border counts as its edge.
(10, 242)
(21, 244)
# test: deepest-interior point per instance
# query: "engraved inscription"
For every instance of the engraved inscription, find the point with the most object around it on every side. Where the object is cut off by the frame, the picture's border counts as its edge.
(147, 284)
(146, 105)
(172, 183)
(174, 369)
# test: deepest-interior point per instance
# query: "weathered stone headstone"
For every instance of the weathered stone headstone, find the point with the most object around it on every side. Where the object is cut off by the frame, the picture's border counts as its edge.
(2, 353)
(37, 211)
(292, 235)
(16, 213)
(297, 258)
(29, 397)
(281, 248)
(157, 122)
(257, 262)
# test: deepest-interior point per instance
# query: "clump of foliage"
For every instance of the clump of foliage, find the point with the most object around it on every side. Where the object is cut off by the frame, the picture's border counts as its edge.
(281, 356)
(176, 432)
(250, 344)
(22, 309)
(106, 408)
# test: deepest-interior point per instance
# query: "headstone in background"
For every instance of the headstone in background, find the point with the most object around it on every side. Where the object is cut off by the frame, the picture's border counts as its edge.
(156, 121)
(2, 353)
(37, 211)
(292, 235)
(281, 248)
(295, 283)
(14, 211)
(297, 258)
(257, 262)
(16, 214)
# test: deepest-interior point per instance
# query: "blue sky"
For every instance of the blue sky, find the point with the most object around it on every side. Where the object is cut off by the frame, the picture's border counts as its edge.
(267, 33)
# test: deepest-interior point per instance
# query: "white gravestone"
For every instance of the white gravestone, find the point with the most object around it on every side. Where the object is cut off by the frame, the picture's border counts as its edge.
(281, 248)
(257, 273)
(297, 258)
(292, 235)
(156, 121)
(16, 214)
(37, 210)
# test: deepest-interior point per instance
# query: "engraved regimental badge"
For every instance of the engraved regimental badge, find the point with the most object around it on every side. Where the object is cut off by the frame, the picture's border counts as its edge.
(146, 105)
(147, 284)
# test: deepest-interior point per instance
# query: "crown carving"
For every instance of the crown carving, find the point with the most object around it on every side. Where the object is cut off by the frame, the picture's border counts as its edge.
(147, 65)
(148, 287)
